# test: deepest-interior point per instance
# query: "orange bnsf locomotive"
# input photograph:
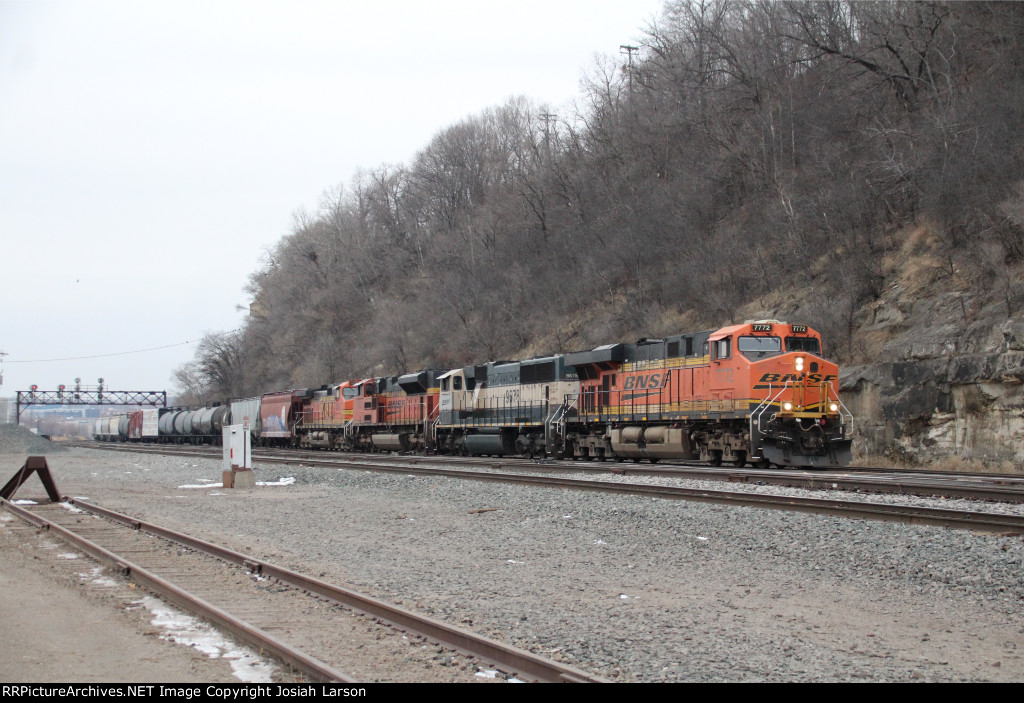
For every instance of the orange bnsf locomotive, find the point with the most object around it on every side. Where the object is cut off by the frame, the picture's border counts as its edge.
(374, 414)
(759, 392)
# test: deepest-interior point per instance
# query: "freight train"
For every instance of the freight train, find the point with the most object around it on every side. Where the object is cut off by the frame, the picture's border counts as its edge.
(759, 393)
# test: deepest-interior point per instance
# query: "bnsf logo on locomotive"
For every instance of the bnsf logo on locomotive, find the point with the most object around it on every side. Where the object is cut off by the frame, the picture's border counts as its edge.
(652, 380)
(774, 378)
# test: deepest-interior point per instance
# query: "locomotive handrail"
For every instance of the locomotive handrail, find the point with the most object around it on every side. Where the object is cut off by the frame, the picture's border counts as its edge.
(430, 426)
(845, 416)
(844, 412)
(557, 419)
(563, 410)
(760, 409)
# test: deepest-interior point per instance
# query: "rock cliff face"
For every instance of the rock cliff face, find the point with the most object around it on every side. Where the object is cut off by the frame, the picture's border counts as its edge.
(940, 403)
(934, 367)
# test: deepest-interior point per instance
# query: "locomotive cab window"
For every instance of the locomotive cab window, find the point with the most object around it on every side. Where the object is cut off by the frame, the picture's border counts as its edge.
(721, 349)
(759, 347)
(444, 384)
(457, 383)
(803, 344)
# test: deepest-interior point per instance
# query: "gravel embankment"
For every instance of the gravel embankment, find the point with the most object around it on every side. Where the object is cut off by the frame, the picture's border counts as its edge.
(15, 439)
(636, 589)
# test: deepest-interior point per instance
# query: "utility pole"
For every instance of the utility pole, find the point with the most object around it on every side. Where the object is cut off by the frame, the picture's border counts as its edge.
(627, 49)
(548, 118)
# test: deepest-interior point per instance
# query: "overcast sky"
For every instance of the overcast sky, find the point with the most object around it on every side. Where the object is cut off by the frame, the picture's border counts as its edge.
(151, 152)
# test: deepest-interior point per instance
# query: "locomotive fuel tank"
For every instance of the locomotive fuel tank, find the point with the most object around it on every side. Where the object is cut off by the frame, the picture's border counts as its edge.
(491, 440)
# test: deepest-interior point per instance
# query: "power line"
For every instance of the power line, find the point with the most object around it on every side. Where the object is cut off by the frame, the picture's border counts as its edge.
(98, 356)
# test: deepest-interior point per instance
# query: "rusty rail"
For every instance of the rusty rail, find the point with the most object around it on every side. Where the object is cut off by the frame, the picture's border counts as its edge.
(313, 668)
(506, 657)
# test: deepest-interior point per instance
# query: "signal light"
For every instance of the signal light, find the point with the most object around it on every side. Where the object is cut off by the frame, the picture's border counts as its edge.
(34, 388)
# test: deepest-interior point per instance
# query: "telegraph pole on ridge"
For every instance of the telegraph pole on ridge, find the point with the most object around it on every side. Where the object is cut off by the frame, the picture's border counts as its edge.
(626, 48)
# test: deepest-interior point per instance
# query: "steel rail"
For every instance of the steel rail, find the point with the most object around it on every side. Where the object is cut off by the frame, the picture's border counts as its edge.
(311, 667)
(992, 522)
(506, 657)
(1008, 489)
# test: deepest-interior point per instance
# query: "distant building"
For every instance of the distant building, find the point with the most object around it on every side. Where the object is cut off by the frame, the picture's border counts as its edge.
(257, 311)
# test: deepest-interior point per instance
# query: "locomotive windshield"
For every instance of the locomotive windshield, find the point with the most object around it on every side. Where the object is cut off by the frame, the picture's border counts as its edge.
(759, 347)
(803, 344)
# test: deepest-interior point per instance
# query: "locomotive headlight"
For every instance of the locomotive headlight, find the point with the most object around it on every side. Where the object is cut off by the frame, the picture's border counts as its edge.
(799, 363)
(787, 406)
(834, 407)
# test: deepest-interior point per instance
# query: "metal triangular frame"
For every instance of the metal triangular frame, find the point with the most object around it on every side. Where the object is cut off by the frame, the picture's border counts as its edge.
(34, 464)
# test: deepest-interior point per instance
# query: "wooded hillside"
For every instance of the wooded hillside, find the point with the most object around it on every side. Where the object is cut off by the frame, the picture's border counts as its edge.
(749, 154)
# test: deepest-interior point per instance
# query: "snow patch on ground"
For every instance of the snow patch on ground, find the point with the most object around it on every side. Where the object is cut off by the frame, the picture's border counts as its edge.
(283, 481)
(184, 629)
(97, 578)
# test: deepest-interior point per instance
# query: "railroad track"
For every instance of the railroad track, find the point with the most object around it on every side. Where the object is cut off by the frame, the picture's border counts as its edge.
(984, 487)
(312, 626)
(962, 519)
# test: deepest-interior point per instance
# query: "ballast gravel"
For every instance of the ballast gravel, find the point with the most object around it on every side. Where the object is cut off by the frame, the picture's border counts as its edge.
(20, 440)
(631, 588)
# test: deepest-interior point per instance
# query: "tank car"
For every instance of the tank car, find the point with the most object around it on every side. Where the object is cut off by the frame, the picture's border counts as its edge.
(221, 417)
(165, 425)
